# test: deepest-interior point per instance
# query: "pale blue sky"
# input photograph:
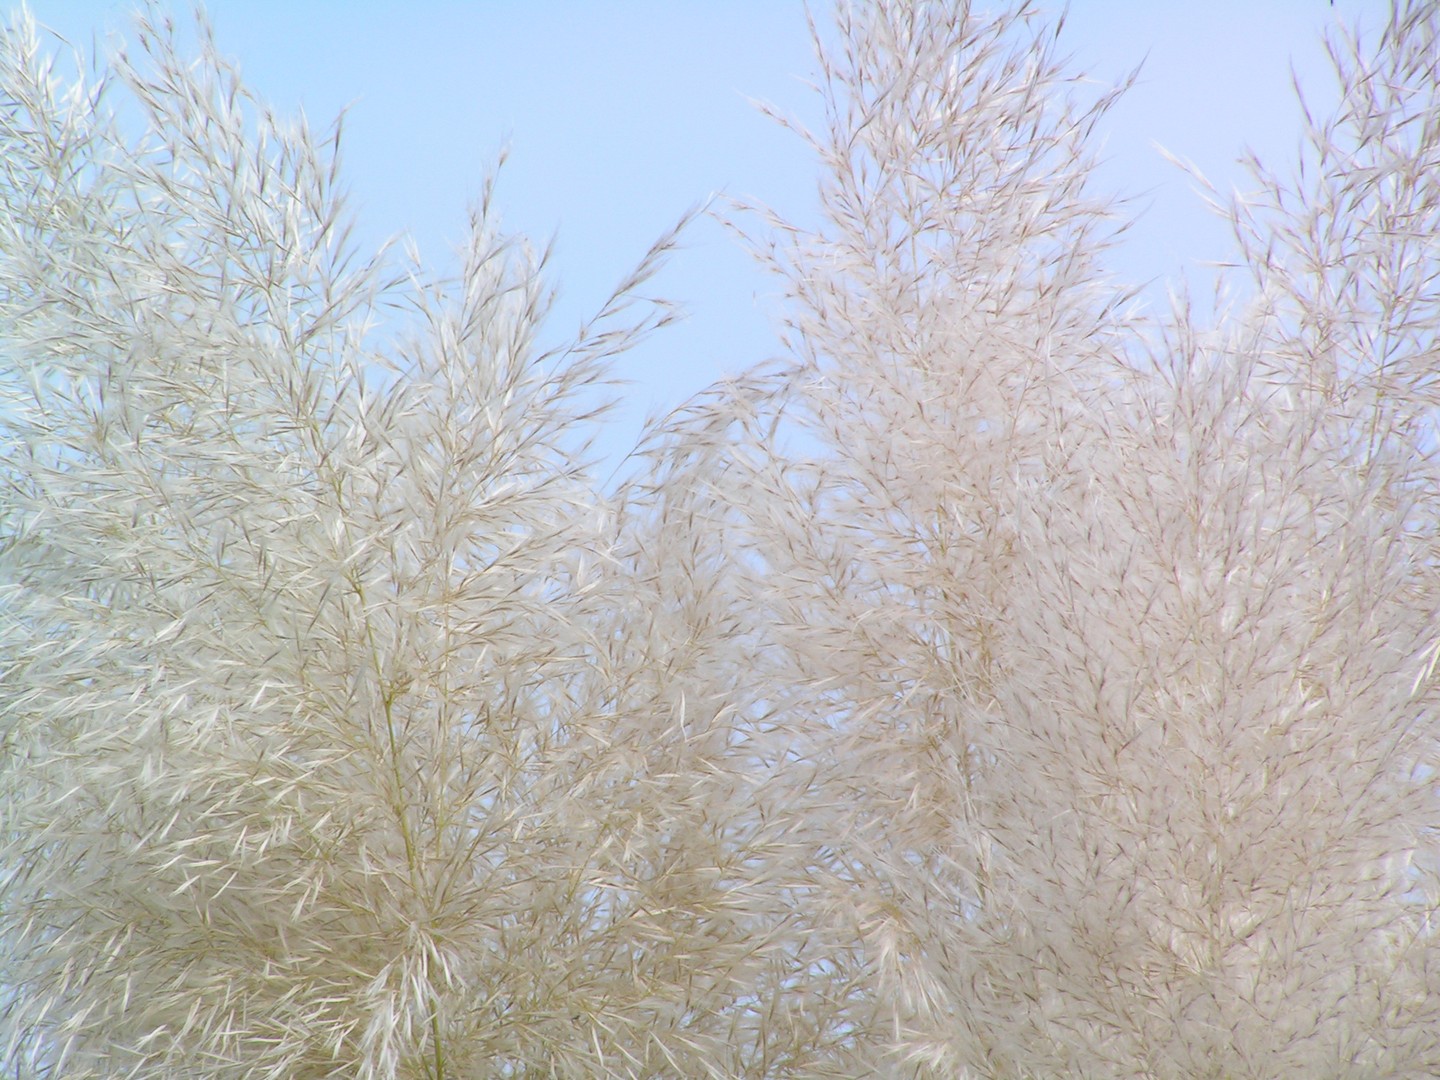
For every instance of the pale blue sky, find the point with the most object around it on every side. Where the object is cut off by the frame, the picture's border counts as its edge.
(620, 115)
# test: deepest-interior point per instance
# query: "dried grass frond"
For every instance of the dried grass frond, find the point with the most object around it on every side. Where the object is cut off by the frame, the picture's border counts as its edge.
(997, 686)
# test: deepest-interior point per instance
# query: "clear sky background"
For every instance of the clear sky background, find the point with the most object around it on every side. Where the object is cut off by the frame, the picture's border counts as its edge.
(619, 115)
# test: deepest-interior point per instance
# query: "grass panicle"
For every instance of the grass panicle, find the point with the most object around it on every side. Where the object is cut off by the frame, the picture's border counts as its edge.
(1002, 684)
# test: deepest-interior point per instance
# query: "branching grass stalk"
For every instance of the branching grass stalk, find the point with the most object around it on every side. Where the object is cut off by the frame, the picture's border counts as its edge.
(1001, 684)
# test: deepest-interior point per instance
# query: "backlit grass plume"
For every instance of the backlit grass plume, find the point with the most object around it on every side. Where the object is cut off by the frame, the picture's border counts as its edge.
(1002, 685)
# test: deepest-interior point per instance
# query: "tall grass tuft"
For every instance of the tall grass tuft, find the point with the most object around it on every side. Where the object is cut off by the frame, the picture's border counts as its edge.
(1114, 635)
(1002, 685)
